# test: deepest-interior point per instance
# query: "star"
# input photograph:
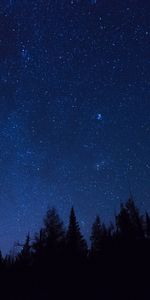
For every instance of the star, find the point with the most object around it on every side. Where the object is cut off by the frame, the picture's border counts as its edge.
(99, 117)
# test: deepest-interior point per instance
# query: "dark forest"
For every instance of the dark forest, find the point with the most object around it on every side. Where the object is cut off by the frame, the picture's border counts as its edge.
(57, 262)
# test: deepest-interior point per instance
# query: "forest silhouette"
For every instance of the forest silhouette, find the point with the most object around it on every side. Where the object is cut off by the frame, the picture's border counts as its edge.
(57, 263)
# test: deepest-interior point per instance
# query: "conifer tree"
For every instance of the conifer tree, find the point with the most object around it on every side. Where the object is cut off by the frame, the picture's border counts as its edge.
(53, 231)
(129, 222)
(76, 244)
(95, 235)
(39, 243)
(99, 236)
(24, 256)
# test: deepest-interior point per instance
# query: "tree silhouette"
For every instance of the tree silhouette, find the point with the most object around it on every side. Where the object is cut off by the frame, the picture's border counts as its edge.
(56, 261)
(100, 236)
(129, 222)
(39, 243)
(96, 236)
(76, 244)
(53, 234)
(24, 257)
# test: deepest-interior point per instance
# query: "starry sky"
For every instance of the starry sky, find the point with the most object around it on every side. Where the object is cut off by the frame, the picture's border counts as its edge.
(74, 110)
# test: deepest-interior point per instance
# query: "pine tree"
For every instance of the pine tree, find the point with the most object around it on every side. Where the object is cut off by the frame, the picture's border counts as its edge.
(129, 222)
(39, 243)
(95, 236)
(24, 256)
(53, 231)
(123, 223)
(99, 237)
(76, 244)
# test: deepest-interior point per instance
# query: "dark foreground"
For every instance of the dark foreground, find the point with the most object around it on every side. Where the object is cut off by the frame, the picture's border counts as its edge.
(115, 279)
(57, 264)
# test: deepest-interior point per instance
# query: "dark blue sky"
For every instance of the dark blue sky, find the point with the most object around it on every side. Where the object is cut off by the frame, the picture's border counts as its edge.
(74, 110)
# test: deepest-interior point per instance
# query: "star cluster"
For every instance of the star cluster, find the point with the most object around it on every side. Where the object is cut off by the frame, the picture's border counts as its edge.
(74, 110)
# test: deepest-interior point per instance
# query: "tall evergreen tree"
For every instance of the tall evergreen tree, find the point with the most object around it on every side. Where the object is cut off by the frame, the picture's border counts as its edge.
(129, 222)
(123, 223)
(39, 243)
(99, 236)
(95, 236)
(76, 243)
(54, 233)
(24, 257)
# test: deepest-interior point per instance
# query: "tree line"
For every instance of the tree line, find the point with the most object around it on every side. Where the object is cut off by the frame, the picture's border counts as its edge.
(58, 263)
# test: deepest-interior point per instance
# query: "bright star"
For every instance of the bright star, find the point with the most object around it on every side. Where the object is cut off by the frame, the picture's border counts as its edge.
(99, 117)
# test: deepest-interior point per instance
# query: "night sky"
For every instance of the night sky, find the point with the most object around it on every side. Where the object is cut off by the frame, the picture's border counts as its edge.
(74, 110)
